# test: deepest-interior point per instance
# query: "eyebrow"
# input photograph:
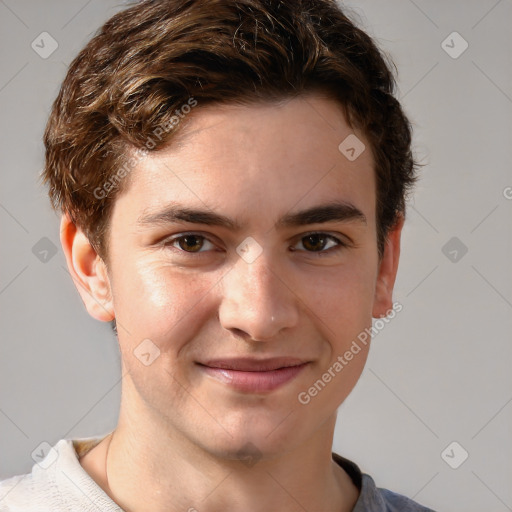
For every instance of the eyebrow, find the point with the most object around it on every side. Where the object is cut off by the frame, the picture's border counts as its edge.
(334, 211)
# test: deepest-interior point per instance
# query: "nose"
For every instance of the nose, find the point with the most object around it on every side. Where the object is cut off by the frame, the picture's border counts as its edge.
(257, 300)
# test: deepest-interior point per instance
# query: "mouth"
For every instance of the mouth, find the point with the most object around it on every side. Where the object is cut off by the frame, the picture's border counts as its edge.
(254, 375)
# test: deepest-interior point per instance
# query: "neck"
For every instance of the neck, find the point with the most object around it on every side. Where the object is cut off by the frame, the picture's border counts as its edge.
(138, 479)
(146, 465)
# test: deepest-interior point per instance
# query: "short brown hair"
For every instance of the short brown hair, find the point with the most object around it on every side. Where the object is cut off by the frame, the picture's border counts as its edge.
(148, 61)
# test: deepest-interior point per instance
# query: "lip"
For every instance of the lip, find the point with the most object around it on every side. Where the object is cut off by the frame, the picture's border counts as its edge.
(254, 375)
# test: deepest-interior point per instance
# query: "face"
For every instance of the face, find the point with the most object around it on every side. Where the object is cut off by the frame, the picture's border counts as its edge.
(227, 318)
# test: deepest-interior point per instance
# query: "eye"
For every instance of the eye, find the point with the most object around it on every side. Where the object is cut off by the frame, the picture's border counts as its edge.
(320, 244)
(188, 242)
(317, 243)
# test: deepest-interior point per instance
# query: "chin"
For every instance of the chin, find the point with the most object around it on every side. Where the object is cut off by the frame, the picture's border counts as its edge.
(260, 438)
(248, 450)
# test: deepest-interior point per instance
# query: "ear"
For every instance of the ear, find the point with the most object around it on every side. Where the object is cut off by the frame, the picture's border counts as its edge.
(388, 266)
(88, 271)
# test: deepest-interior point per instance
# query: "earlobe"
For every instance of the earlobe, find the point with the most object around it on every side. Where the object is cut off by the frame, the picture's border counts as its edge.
(88, 271)
(388, 267)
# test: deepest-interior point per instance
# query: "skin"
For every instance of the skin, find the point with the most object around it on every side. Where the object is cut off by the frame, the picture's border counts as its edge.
(181, 435)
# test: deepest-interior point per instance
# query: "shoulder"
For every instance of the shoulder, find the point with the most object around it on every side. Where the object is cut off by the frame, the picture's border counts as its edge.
(11, 492)
(57, 482)
(36, 490)
(377, 499)
(373, 498)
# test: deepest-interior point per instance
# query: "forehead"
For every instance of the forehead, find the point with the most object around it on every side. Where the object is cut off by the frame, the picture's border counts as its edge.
(256, 159)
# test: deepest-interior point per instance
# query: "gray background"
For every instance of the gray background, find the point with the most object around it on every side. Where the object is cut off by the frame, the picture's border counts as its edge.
(438, 373)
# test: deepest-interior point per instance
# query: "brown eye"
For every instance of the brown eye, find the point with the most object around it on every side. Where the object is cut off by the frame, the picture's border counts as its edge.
(321, 244)
(190, 243)
(315, 242)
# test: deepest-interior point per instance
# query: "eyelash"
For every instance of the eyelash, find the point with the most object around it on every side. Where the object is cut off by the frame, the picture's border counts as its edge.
(340, 244)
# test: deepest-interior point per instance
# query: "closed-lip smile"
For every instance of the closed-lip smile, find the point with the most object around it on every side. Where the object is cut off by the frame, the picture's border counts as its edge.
(254, 375)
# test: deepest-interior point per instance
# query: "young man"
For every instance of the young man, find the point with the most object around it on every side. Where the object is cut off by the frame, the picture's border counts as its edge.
(232, 178)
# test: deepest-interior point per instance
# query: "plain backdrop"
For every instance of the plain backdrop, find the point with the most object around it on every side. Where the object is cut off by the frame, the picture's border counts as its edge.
(437, 386)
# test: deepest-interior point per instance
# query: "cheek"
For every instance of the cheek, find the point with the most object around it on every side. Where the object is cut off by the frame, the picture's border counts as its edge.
(343, 299)
(344, 305)
(155, 300)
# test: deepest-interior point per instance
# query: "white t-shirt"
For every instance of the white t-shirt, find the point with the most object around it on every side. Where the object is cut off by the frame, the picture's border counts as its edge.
(60, 484)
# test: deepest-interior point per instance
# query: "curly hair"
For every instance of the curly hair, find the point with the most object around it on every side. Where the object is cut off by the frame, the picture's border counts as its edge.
(125, 91)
